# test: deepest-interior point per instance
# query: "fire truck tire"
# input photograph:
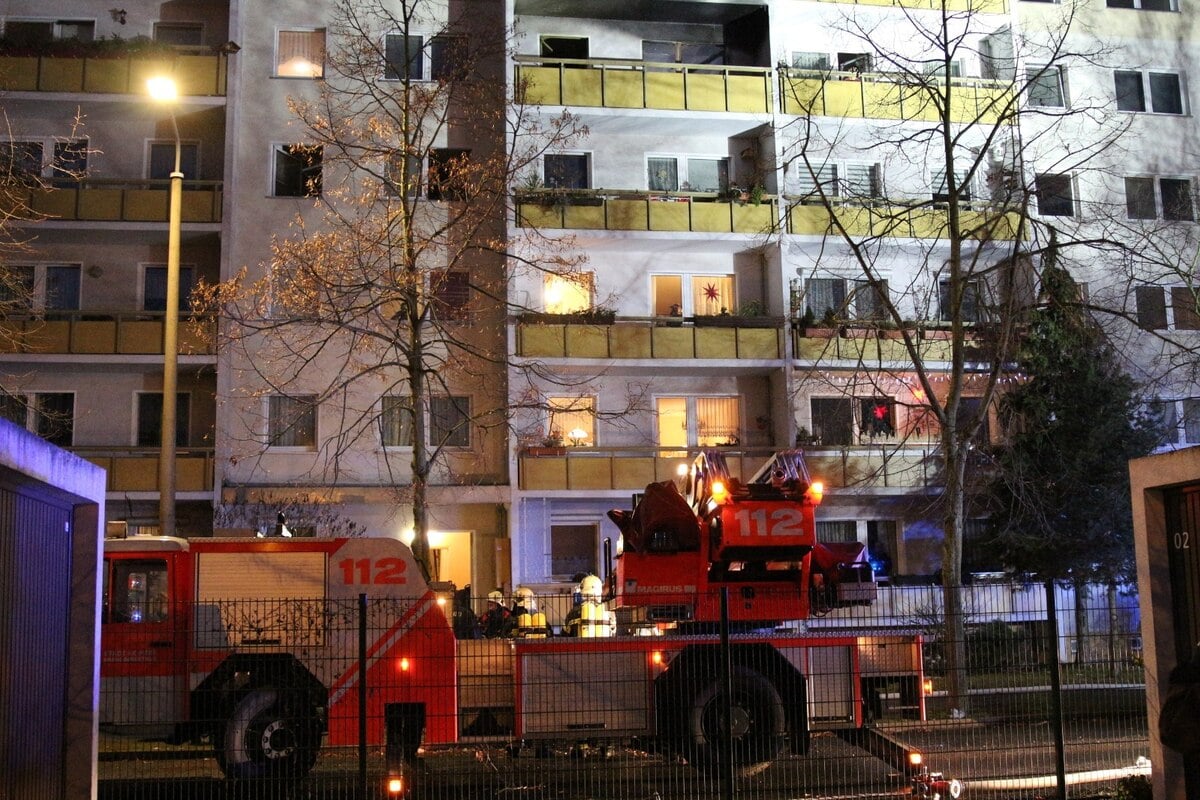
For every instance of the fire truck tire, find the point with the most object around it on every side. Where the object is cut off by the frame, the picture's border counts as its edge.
(265, 739)
(759, 725)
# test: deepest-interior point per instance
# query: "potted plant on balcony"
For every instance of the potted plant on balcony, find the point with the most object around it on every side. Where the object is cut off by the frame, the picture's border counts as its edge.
(552, 445)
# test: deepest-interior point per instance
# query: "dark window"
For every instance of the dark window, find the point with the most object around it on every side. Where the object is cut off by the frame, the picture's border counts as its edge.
(877, 416)
(70, 162)
(404, 57)
(402, 175)
(883, 545)
(833, 420)
(451, 291)
(564, 47)
(13, 408)
(292, 421)
(825, 297)
(869, 299)
(149, 419)
(162, 160)
(1191, 420)
(1165, 91)
(16, 288)
(1151, 308)
(1131, 96)
(1166, 417)
(449, 422)
(155, 296)
(180, 34)
(395, 421)
(298, 170)
(62, 288)
(22, 161)
(1055, 197)
(970, 411)
(572, 550)
(1139, 198)
(1183, 306)
(1165, 94)
(854, 62)
(449, 174)
(969, 310)
(1176, 199)
(567, 171)
(448, 58)
(137, 591)
(54, 417)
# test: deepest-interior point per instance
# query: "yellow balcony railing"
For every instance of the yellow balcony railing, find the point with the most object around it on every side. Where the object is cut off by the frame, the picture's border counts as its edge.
(901, 221)
(642, 211)
(976, 6)
(663, 337)
(133, 469)
(113, 201)
(91, 333)
(867, 345)
(614, 83)
(195, 74)
(880, 96)
(613, 468)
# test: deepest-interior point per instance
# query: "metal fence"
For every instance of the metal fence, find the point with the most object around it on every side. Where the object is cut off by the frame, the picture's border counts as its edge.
(331, 699)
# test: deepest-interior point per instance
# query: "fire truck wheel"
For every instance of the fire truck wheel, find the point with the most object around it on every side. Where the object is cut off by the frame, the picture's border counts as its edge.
(757, 721)
(266, 739)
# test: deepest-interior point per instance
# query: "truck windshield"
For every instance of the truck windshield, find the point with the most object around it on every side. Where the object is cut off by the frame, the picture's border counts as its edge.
(137, 591)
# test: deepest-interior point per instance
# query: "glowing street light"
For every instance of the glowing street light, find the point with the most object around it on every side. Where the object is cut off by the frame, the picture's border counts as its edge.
(164, 90)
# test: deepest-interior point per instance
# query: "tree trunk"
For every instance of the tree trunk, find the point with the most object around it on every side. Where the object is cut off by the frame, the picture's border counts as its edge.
(955, 618)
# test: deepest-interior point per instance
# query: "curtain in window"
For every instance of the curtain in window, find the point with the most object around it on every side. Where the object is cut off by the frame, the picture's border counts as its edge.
(839, 530)
(868, 299)
(716, 421)
(573, 420)
(301, 54)
(824, 296)
(707, 175)
(292, 421)
(826, 178)
(861, 180)
(449, 422)
(713, 294)
(395, 421)
(662, 174)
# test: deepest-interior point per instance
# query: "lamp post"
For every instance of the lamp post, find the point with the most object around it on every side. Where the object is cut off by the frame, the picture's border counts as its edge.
(164, 91)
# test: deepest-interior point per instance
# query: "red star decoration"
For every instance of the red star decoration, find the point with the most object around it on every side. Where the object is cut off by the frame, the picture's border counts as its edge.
(880, 411)
(711, 292)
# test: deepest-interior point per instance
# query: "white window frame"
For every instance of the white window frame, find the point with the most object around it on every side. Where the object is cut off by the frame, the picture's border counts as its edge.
(1071, 184)
(1042, 72)
(587, 156)
(144, 268)
(186, 430)
(190, 25)
(681, 169)
(37, 298)
(276, 147)
(688, 289)
(1165, 303)
(1147, 92)
(402, 408)
(269, 437)
(48, 143)
(427, 60)
(1137, 6)
(691, 416)
(571, 408)
(835, 177)
(318, 71)
(1159, 205)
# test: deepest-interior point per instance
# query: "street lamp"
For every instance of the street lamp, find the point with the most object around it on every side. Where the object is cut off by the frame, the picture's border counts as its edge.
(164, 91)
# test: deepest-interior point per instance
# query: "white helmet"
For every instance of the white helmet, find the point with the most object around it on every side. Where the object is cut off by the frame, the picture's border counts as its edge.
(496, 596)
(591, 588)
(524, 597)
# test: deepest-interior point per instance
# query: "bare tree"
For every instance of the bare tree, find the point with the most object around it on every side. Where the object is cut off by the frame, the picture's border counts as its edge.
(941, 228)
(395, 299)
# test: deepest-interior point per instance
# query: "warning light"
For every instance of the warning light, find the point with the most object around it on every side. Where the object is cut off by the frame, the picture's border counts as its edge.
(719, 493)
(927, 687)
(816, 491)
(915, 759)
(395, 786)
(657, 658)
(403, 664)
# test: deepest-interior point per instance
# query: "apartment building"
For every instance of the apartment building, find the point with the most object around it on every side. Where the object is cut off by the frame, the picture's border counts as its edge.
(743, 161)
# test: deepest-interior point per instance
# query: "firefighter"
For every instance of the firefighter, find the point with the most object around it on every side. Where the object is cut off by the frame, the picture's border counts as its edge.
(497, 621)
(531, 623)
(588, 616)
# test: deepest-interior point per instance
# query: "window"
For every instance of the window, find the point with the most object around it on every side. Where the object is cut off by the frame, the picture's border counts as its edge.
(54, 417)
(563, 47)
(941, 191)
(154, 294)
(567, 171)
(811, 61)
(1163, 89)
(449, 174)
(572, 420)
(657, 51)
(298, 170)
(402, 175)
(416, 58)
(1191, 420)
(180, 34)
(1166, 416)
(161, 162)
(395, 421)
(62, 287)
(1145, 5)
(877, 417)
(42, 288)
(36, 32)
(451, 292)
(292, 421)
(568, 294)
(698, 421)
(137, 591)
(832, 420)
(13, 408)
(829, 296)
(883, 545)
(673, 174)
(449, 422)
(1151, 198)
(1152, 308)
(1045, 87)
(854, 62)
(970, 308)
(692, 295)
(845, 180)
(1055, 195)
(713, 294)
(573, 550)
(63, 162)
(17, 283)
(300, 53)
(837, 530)
(149, 418)
(970, 412)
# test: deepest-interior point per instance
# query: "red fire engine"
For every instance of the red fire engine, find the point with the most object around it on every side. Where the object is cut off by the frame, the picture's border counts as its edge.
(243, 639)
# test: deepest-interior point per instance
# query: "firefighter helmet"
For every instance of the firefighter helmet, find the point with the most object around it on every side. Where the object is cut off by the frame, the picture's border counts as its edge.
(525, 598)
(496, 596)
(590, 588)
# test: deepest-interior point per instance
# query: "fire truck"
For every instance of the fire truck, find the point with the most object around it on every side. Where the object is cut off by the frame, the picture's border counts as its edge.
(268, 648)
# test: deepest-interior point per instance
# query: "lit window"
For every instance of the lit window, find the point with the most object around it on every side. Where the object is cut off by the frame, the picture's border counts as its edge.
(672, 174)
(568, 294)
(698, 421)
(300, 53)
(572, 421)
(713, 294)
(395, 421)
(292, 421)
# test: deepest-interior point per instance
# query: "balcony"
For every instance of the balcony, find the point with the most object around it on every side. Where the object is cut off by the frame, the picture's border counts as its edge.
(881, 96)
(902, 221)
(632, 468)
(616, 83)
(866, 345)
(640, 211)
(115, 201)
(133, 469)
(657, 338)
(91, 333)
(977, 6)
(195, 74)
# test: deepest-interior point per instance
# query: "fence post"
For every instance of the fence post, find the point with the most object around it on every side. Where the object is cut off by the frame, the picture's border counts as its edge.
(1056, 713)
(726, 701)
(362, 694)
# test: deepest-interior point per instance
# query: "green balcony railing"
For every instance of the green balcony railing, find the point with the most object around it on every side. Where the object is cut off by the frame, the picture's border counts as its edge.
(113, 201)
(643, 211)
(195, 74)
(660, 337)
(99, 333)
(881, 96)
(902, 221)
(616, 83)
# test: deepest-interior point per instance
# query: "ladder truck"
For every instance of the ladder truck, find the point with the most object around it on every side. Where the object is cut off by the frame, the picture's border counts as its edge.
(251, 644)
